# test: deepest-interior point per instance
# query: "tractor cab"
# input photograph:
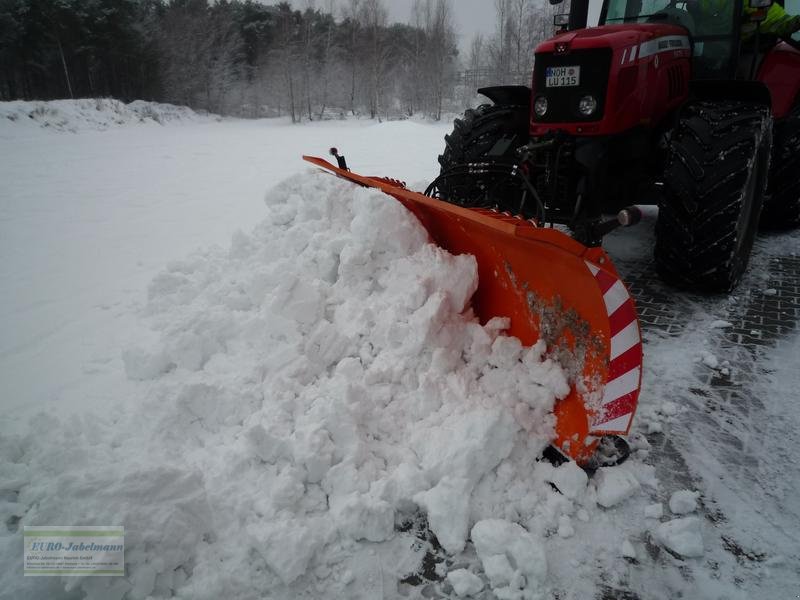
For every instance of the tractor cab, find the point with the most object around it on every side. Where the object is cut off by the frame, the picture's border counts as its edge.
(713, 27)
(720, 31)
(688, 104)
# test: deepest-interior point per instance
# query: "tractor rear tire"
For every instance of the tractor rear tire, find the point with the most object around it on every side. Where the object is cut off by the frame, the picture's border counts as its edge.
(713, 192)
(782, 204)
(487, 134)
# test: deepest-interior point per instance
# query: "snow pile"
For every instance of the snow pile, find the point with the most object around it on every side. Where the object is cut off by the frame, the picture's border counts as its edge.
(90, 114)
(307, 391)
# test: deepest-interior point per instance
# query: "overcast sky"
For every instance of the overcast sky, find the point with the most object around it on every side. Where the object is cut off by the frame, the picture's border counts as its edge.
(471, 16)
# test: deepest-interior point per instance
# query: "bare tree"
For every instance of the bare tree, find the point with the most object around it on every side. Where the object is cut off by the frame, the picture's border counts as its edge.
(520, 34)
(540, 21)
(476, 52)
(235, 56)
(442, 42)
(285, 53)
(420, 18)
(352, 14)
(184, 48)
(500, 48)
(326, 59)
(375, 18)
(309, 45)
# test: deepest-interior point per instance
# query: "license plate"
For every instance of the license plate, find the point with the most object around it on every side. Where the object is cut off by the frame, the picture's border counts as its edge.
(562, 76)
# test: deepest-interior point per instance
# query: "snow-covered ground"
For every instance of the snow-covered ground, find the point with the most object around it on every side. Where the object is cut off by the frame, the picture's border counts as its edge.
(269, 378)
(88, 219)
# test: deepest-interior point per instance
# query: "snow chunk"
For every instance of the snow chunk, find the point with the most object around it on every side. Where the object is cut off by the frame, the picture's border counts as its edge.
(669, 409)
(265, 445)
(570, 479)
(13, 476)
(614, 484)
(683, 502)
(364, 518)
(447, 506)
(565, 529)
(654, 511)
(468, 445)
(654, 427)
(720, 324)
(682, 536)
(513, 559)
(287, 546)
(464, 582)
(708, 359)
(628, 551)
(142, 365)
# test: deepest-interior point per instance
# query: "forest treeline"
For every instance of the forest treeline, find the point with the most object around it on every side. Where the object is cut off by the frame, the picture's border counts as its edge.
(247, 58)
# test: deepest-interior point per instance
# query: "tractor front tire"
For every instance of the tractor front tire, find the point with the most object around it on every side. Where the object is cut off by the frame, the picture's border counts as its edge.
(782, 204)
(487, 134)
(713, 193)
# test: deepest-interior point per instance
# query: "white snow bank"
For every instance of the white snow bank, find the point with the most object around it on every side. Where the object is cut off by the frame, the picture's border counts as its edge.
(302, 392)
(89, 114)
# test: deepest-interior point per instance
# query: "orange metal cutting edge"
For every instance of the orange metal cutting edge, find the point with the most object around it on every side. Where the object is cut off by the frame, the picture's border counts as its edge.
(551, 287)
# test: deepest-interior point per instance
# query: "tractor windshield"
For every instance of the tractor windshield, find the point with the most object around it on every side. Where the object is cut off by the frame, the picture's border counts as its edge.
(711, 23)
(793, 8)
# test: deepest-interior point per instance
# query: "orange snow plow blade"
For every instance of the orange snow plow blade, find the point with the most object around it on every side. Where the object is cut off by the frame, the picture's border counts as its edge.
(553, 288)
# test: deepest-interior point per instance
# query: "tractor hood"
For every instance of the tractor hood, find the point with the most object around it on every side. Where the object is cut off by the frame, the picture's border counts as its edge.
(634, 74)
(619, 37)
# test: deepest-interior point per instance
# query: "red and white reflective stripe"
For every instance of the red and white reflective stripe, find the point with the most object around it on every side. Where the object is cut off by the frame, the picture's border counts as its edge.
(629, 55)
(621, 391)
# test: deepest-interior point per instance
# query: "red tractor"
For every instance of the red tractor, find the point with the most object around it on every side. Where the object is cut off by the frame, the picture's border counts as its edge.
(661, 101)
(658, 101)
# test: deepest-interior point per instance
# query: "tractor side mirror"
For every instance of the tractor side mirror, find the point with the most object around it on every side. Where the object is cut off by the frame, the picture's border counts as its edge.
(561, 21)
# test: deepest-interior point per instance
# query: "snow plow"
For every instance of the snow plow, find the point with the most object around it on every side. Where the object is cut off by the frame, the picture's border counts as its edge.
(552, 288)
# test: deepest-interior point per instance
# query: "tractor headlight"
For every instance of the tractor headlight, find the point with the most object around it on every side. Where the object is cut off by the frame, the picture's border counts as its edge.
(540, 106)
(587, 106)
